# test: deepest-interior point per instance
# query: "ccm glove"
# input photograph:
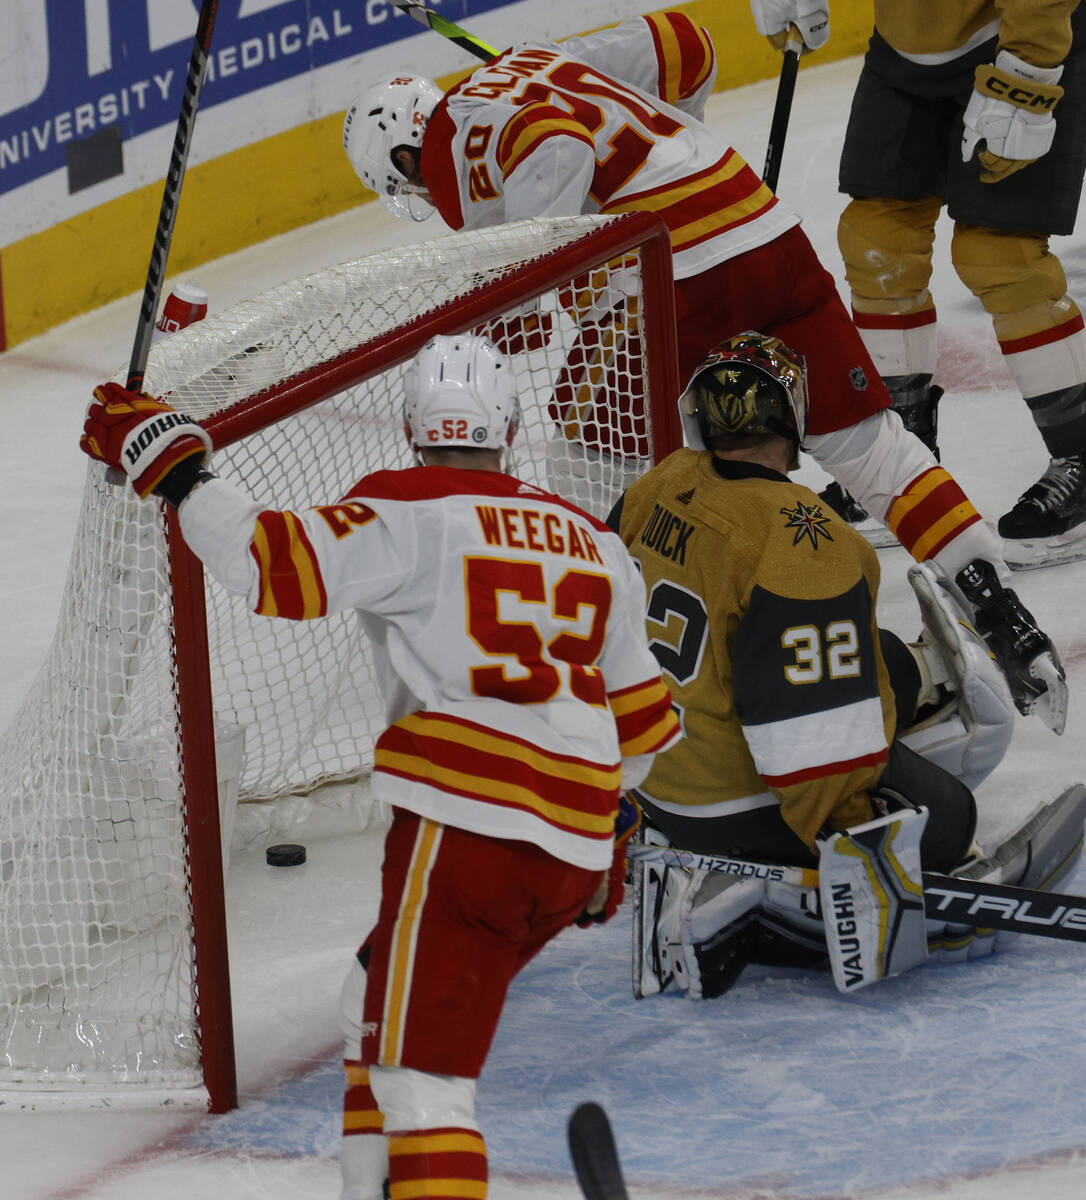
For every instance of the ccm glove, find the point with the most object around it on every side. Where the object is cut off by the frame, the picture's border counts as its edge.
(140, 435)
(772, 19)
(1011, 111)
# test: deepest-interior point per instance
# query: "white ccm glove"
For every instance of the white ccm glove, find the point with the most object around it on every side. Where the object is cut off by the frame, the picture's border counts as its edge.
(811, 17)
(1011, 110)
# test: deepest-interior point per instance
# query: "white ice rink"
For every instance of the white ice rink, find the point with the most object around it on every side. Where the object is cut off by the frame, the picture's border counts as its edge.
(965, 1082)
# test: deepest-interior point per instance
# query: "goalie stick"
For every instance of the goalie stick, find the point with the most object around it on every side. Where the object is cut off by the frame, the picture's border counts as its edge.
(595, 1157)
(447, 29)
(947, 898)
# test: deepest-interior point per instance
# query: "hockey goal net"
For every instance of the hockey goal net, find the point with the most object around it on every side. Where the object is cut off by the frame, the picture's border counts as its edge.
(163, 701)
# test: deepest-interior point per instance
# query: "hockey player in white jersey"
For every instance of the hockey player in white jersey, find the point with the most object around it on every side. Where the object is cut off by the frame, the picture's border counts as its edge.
(521, 695)
(612, 122)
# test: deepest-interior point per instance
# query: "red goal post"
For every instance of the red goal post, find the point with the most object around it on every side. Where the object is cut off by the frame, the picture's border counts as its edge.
(169, 703)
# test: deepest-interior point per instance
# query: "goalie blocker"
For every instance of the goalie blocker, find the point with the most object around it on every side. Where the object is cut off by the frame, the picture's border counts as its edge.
(700, 919)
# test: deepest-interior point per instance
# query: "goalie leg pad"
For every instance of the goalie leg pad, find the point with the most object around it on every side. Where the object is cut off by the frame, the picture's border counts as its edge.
(961, 943)
(872, 895)
(718, 932)
(791, 930)
(1042, 853)
(657, 891)
(969, 735)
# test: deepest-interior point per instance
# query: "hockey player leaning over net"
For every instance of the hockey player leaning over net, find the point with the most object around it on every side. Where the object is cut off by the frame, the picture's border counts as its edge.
(612, 122)
(508, 627)
(801, 716)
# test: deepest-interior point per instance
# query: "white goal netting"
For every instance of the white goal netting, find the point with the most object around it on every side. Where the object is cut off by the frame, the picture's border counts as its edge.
(301, 390)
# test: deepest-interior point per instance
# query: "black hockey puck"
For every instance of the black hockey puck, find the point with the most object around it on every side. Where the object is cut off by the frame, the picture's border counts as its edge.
(286, 854)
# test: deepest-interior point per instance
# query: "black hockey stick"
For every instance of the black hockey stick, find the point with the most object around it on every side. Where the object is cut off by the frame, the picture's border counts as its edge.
(946, 897)
(448, 29)
(167, 213)
(171, 193)
(595, 1158)
(782, 109)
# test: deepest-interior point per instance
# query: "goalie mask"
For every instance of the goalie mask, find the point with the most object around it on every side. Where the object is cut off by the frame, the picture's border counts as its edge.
(385, 117)
(749, 384)
(459, 392)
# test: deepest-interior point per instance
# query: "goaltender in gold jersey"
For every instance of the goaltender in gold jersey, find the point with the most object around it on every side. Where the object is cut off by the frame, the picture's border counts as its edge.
(807, 726)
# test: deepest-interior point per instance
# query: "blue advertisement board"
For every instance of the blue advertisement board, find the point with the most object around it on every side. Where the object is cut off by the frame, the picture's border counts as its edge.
(103, 82)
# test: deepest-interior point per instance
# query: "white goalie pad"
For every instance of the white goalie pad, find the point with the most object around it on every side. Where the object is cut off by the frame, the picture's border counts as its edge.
(717, 932)
(1042, 853)
(872, 894)
(656, 891)
(970, 734)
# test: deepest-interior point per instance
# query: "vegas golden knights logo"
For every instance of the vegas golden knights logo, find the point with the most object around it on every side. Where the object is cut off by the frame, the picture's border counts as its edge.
(807, 522)
(732, 409)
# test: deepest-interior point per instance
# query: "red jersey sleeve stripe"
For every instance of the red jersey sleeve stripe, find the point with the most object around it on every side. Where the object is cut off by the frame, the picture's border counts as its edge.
(439, 167)
(645, 720)
(701, 206)
(290, 579)
(684, 52)
(930, 513)
(532, 125)
(826, 770)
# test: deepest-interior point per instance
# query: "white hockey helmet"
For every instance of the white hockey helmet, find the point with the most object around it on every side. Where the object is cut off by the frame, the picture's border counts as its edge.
(386, 115)
(749, 384)
(459, 391)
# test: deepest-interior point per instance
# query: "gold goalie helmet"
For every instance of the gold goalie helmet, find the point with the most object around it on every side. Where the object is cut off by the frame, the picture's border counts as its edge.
(749, 384)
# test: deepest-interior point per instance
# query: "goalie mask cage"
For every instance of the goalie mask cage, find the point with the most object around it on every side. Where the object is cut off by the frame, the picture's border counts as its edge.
(163, 700)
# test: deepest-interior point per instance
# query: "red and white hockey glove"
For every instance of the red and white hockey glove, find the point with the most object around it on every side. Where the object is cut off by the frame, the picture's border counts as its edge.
(1011, 112)
(140, 435)
(604, 904)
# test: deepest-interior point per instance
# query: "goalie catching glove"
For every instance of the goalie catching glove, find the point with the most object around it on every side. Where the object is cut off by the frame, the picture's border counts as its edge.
(140, 435)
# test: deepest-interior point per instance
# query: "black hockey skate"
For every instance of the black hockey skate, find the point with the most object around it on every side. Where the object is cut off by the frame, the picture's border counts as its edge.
(1048, 524)
(917, 404)
(1025, 654)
